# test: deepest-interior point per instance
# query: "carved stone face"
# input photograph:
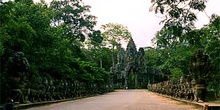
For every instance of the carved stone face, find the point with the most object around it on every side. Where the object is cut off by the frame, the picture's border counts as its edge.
(200, 66)
(18, 64)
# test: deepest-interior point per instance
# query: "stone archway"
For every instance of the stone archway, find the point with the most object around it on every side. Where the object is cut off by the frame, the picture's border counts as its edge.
(131, 78)
(129, 68)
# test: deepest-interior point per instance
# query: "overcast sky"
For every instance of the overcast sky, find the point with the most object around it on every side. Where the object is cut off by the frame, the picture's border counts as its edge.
(136, 16)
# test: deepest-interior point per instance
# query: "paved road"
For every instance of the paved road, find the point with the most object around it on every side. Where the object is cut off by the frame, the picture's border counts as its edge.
(120, 100)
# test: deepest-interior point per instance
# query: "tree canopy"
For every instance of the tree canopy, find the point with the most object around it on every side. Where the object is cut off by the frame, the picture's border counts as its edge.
(114, 34)
(113, 37)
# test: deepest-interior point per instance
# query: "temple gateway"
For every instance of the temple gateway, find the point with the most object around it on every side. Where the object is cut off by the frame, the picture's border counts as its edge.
(130, 72)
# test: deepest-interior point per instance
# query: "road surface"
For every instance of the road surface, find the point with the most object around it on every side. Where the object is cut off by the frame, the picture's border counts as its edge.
(120, 100)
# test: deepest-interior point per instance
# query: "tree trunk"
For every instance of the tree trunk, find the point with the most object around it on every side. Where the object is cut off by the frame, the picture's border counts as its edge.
(113, 61)
(100, 61)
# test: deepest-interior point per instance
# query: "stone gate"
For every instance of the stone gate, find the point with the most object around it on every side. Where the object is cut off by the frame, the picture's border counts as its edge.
(131, 71)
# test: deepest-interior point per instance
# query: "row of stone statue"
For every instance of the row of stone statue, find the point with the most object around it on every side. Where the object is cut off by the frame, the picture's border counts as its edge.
(23, 87)
(43, 89)
(186, 90)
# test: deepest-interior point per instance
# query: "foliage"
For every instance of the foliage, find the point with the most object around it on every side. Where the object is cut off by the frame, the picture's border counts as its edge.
(172, 53)
(176, 73)
(100, 55)
(113, 36)
(180, 15)
(152, 57)
(96, 38)
(178, 39)
(72, 15)
(115, 33)
(88, 72)
(50, 38)
(213, 50)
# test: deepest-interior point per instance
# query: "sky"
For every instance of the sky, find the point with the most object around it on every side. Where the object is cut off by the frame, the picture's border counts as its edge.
(131, 13)
(135, 14)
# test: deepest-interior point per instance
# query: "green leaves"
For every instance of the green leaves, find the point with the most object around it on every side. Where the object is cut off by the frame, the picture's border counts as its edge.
(176, 73)
(96, 38)
(88, 72)
(73, 15)
(178, 14)
(178, 39)
(115, 33)
(50, 38)
(197, 4)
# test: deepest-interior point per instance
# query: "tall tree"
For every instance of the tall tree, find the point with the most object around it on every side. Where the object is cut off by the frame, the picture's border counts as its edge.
(114, 35)
(74, 17)
(212, 48)
(179, 15)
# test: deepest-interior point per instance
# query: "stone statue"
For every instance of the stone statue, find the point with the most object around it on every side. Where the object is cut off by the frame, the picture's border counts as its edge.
(140, 60)
(130, 62)
(120, 56)
(18, 66)
(200, 67)
(131, 53)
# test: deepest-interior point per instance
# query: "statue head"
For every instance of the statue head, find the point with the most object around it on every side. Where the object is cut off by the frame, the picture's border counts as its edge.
(200, 66)
(17, 64)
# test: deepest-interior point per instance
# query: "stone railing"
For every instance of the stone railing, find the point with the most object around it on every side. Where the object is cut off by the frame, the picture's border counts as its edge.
(184, 90)
(43, 89)
(175, 90)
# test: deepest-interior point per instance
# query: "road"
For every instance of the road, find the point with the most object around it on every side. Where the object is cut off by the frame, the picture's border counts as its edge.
(120, 100)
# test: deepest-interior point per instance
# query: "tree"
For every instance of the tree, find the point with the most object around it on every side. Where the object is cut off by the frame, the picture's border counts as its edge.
(176, 74)
(73, 16)
(152, 57)
(52, 50)
(99, 55)
(179, 39)
(212, 48)
(96, 38)
(173, 53)
(24, 26)
(114, 35)
(179, 15)
(49, 49)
